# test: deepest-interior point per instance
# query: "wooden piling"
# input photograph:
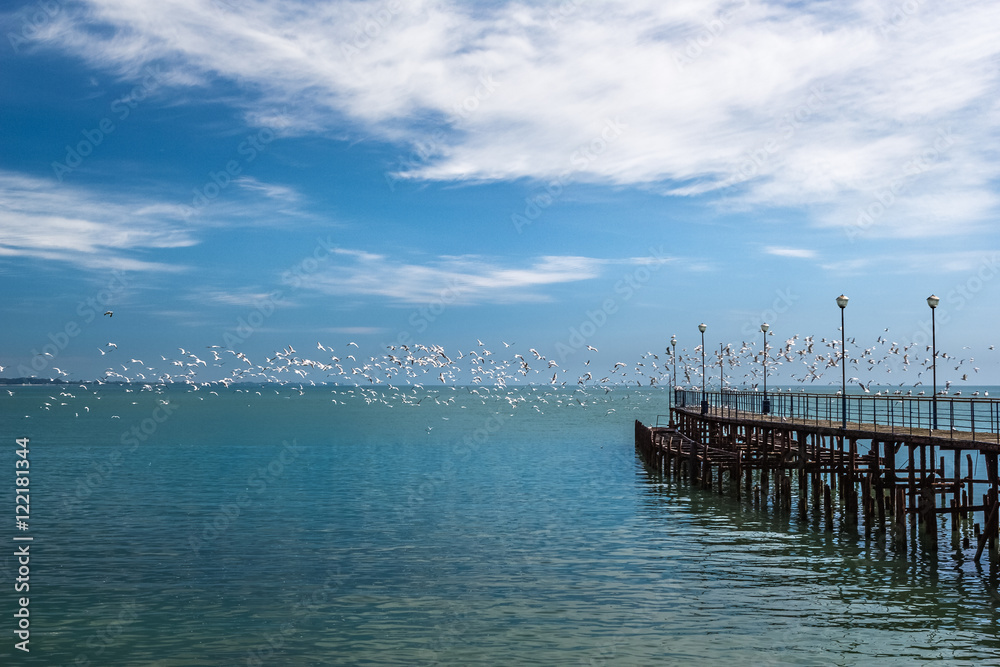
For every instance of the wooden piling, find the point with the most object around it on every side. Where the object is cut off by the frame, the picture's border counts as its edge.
(772, 462)
(828, 507)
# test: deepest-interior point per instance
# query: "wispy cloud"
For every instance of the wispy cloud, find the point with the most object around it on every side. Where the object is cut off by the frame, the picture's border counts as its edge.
(465, 279)
(243, 297)
(269, 190)
(817, 105)
(100, 228)
(780, 251)
(357, 331)
(915, 263)
(42, 219)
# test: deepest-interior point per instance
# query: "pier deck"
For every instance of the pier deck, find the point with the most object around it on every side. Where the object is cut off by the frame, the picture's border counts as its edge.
(885, 468)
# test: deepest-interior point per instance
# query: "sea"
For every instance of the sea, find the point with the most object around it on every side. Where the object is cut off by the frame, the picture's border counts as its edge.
(450, 525)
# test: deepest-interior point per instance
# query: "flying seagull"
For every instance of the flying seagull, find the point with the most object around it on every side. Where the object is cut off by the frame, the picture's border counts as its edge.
(109, 313)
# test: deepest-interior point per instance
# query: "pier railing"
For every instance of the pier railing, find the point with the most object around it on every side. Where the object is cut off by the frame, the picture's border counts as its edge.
(959, 418)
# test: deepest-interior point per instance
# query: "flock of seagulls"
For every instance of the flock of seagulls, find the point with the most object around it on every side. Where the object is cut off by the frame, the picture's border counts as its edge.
(533, 399)
(811, 359)
(409, 375)
(806, 360)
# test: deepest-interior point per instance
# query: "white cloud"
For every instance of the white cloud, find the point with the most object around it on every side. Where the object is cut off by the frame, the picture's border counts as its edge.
(781, 251)
(465, 279)
(817, 105)
(357, 331)
(269, 190)
(40, 218)
(244, 297)
(95, 228)
(984, 263)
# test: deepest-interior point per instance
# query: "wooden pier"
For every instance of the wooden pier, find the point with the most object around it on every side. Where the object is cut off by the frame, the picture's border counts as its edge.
(908, 466)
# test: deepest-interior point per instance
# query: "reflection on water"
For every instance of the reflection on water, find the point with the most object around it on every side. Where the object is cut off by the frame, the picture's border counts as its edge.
(379, 542)
(844, 589)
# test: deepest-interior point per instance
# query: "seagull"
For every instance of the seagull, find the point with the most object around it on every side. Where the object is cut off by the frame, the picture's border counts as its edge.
(592, 348)
(109, 313)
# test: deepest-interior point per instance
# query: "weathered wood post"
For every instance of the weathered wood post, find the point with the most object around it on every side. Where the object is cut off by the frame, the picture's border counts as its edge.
(828, 507)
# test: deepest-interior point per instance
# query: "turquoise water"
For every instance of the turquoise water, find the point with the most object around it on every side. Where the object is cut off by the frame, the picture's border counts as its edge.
(454, 526)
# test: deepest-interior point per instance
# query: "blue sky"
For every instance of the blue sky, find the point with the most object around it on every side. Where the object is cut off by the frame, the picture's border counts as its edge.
(444, 173)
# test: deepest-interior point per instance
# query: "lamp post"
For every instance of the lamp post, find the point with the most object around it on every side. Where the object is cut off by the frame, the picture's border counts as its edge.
(704, 396)
(842, 302)
(766, 405)
(722, 371)
(933, 302)
(673, 353)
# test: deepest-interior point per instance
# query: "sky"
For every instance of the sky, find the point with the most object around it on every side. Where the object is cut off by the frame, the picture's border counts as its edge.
(585, 178)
